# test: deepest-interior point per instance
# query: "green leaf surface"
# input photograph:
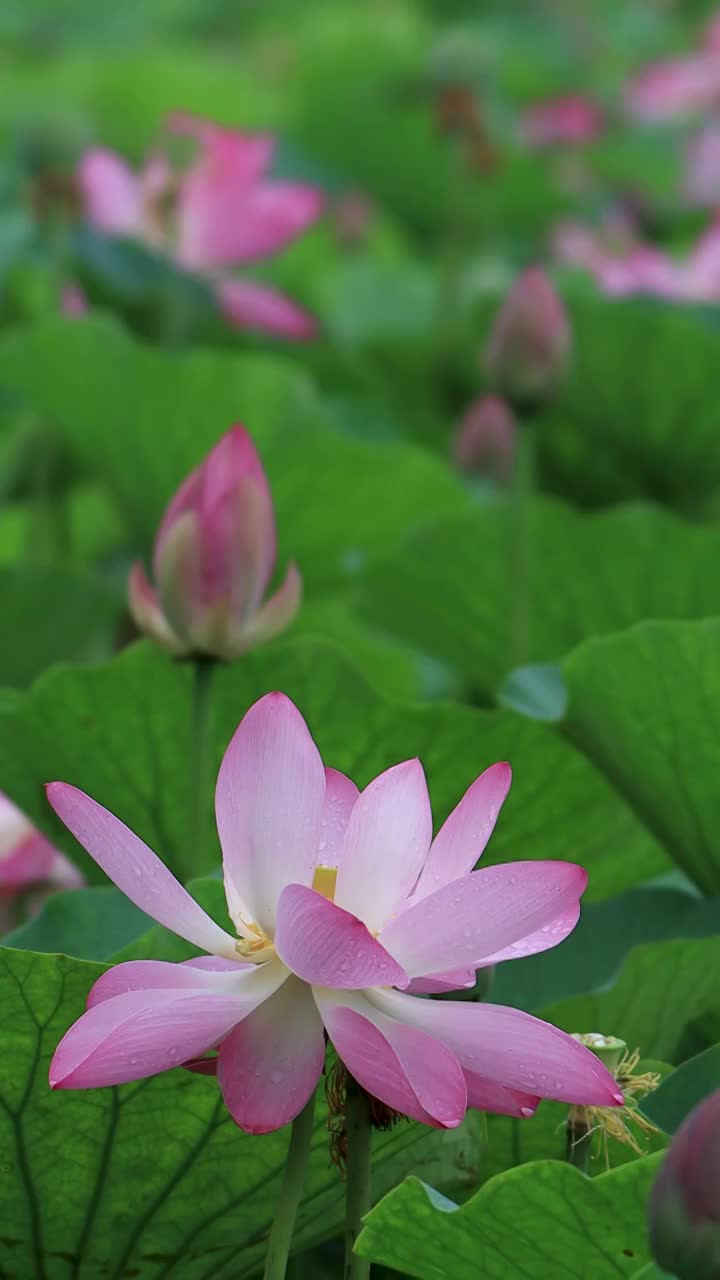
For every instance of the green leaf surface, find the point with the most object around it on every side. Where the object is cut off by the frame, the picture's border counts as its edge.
(645, 705)
(588, 574)
(152, 1180)
(527, 1223)
(53, 614)
(90, 924)
(687, 1086)
(168, 410)
(120, 731)
(661, 988)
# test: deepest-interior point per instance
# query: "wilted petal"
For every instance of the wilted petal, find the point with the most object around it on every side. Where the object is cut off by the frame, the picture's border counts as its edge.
(135, 869)
(386, 843)
(407, 1069)
(325, 945)
(271, 1062)
(140, 1034)
(147, 613)
(269, 802)
(249, 305)
(110, 193)
(477, 918)
(464, 834)
(510, 1047)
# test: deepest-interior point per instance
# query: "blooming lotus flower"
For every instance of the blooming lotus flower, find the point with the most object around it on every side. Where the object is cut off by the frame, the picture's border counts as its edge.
(222, 211)
(529, 344)
(28, 863)
(343, 906)
(486, 439)
(213, 559)
(569, 119)
(685, 1199)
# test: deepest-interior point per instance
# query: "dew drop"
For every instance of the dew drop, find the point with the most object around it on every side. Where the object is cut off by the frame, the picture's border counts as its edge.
(173, 1052)
(134, 1062)
(276, 1077)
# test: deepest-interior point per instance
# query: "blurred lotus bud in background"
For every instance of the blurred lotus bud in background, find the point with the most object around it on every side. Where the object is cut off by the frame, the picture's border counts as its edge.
(486, 439)
(529, 345)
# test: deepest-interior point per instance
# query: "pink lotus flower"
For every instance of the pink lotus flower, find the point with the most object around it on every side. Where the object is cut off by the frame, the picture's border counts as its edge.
(685, 1200)
(214, 556)
(222, 211)
(486, 439)
(529, 344)
(28, 864)
(571, 119)
(342, 904)
(643, 269)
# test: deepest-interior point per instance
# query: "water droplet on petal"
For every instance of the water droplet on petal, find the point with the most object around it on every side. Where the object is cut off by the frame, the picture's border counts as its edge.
(276, 1077)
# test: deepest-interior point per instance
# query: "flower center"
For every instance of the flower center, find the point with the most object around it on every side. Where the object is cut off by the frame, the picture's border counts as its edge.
(256, 948)
(324, 881)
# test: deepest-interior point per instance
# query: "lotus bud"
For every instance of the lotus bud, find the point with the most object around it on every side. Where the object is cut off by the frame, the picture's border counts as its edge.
(213, 559)
(529, 345)
(486, 440)
(685, 1200)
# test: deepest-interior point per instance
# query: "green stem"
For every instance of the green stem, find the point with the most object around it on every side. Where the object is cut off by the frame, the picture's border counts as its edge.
(519, 544)
(290, 1192)
(579, 1141)
(200, 760)
(359, 1195)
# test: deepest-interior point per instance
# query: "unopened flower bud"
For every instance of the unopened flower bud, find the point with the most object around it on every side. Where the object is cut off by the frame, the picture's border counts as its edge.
(529, 345)
(486, 439)
(685, 1200)
(213, 558)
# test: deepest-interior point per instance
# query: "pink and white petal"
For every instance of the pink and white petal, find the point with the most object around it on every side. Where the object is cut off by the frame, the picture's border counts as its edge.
(249, 305)
(269, 1065)
(273, 215)
(542, 940)
(270, 619)
(405, 1068)
(147, 613)
(487, 1095)
(269, 801)
(29, 862)
(465, 833)
(469, 922)
(340, 796)
(326, 945)
(64, 874)
(249, 981)
(386, 843)
(110, 193)
(510, 1047)
(141, 1033)
(438, 983)
(135, 869)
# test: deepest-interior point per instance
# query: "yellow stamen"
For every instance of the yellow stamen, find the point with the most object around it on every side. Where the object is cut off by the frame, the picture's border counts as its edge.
(324, 882)
(257, 947)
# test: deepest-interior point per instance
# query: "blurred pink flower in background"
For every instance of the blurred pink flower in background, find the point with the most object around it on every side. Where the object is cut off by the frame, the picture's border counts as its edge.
(639, 268)
(701, 183)
(529, 344)
(222, 211)
(338, 898)
(29, 865)
(486, 439)
(213, 559)
(678, 87)
(73, 301)
(684, 1214)
(569, 119)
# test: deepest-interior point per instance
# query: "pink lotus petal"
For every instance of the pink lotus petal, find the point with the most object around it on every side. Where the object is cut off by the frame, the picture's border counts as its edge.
(550, 935)
(110, 192)
(147, 975)
(386, 843)
(269, 1065)
(465, 833)
(242, 227)
(135, 869)
(340, 796)
(473, 920)
(269, 803)
(510, 1047)
(487, 1095)
(141, 1033)
(413, 1073)
(325, 945)
(272, 617)
(147, 613)
(248, 155)
(249, 305)
(439, 983)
